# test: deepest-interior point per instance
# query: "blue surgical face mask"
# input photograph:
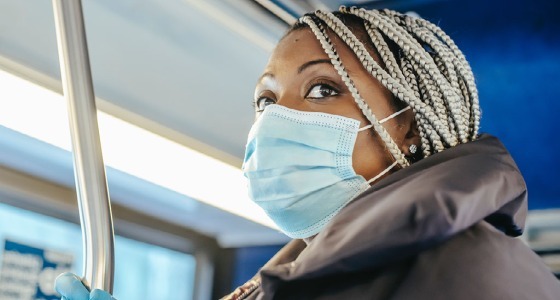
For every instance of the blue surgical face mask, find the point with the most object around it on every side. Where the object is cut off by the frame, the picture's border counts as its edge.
(299, 167)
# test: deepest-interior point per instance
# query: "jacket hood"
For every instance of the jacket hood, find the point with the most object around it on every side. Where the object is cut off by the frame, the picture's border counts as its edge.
(415, 209)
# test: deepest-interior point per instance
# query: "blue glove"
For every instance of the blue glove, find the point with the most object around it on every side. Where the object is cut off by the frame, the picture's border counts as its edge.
(71, 288)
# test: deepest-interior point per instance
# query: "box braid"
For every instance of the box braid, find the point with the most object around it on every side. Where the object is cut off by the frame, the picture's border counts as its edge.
(422, 67)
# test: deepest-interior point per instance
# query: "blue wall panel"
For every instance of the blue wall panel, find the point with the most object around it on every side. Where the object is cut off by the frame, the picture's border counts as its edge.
(514, 50)
(249, 260)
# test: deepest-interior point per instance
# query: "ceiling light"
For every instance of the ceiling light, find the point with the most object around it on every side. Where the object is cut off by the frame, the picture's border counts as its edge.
(41, 113)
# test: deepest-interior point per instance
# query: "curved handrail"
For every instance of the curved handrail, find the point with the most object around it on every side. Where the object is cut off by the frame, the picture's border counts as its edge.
(89, 171)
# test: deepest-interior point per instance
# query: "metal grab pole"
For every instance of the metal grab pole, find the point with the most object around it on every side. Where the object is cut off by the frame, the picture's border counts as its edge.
(89, 171)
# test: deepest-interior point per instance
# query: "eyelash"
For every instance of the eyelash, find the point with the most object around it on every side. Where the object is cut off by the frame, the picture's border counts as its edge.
(326, 84)
(256, 103)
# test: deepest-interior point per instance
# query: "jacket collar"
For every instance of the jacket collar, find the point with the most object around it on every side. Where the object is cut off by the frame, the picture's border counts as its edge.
(414, 209)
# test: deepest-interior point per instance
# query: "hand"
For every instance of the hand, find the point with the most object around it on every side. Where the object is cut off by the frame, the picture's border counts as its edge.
(71, 288)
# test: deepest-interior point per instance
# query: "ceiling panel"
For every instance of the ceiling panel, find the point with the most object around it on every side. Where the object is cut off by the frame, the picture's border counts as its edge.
(188, 65)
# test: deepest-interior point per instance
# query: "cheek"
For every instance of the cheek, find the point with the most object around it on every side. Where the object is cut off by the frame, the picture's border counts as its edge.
(369, 157)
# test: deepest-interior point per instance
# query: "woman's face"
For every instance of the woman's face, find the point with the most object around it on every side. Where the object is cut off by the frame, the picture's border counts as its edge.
(300, 76)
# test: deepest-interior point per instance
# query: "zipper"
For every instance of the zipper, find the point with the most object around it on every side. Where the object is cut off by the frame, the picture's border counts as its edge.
(249, 291)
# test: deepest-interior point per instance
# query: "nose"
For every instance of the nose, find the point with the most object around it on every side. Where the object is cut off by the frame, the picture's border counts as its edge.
(293, 101)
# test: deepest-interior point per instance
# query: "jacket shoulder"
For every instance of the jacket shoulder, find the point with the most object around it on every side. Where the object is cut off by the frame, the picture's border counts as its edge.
(479, 263)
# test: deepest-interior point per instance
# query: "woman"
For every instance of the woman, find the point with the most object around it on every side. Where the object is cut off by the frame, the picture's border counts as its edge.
(366, 151)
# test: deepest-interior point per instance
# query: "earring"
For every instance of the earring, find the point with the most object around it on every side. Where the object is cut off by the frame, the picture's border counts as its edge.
(413, 148)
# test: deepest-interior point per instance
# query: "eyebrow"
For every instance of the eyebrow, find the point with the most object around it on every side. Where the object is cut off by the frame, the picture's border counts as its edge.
(313, 62)
(301, 68)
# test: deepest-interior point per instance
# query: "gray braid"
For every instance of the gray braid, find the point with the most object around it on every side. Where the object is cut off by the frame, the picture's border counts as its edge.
(420, 59)
(371, 65)
(323, 38)
(429, 73)
(467, 82)
(427, 145)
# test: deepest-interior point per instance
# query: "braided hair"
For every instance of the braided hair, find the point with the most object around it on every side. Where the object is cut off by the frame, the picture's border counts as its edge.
(420, 65)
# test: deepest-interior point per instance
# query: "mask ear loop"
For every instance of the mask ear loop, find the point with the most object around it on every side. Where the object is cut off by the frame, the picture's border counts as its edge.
(383, 173)
(381, 122)
(385, 119)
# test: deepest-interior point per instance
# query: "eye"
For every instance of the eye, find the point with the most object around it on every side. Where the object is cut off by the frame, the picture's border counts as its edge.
(321, 90)
(262, 102)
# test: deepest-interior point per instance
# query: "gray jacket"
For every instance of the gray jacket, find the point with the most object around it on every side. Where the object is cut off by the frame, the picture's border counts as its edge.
(442, 228)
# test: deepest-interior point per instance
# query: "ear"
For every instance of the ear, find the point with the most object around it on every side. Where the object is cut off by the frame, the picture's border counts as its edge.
(411, 137)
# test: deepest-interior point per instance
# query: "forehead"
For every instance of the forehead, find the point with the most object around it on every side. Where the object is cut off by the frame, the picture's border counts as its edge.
(301, 46)
(297, 47)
